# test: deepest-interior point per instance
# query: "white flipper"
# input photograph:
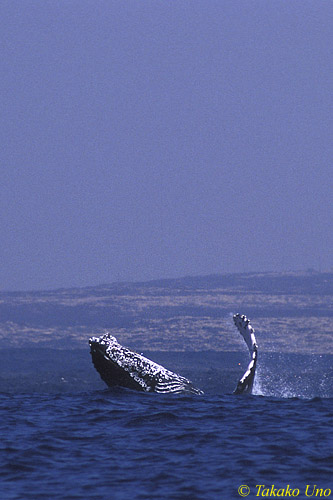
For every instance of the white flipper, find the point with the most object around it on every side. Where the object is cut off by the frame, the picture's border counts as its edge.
(245, 384)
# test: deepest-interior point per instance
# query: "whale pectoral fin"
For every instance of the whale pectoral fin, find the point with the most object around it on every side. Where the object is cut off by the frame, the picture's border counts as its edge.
(245, 384)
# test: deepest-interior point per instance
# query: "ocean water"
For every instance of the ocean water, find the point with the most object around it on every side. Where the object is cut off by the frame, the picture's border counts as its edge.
(64, 436)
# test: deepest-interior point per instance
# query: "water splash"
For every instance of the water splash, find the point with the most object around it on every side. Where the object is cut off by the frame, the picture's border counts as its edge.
(294, 376)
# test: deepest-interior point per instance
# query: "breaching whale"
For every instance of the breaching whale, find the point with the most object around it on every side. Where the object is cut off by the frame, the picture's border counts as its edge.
(120, 366)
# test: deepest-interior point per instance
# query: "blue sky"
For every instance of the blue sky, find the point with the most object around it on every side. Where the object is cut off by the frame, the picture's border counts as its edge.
(154, 138)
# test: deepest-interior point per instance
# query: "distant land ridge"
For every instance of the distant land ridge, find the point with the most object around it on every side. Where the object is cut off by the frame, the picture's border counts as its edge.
(291, 312)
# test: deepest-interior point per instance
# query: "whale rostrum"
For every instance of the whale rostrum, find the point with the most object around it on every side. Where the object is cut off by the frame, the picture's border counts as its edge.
(120, 366)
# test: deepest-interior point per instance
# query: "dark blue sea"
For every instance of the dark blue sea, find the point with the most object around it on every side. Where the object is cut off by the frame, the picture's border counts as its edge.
(64, 436)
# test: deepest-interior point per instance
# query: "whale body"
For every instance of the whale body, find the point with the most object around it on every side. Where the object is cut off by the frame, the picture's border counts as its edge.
(120, 366)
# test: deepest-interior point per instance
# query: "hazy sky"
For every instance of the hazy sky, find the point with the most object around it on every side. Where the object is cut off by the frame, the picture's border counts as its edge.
(160, 138)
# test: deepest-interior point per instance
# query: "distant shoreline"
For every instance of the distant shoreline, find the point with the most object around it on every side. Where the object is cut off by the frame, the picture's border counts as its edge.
(291, 312)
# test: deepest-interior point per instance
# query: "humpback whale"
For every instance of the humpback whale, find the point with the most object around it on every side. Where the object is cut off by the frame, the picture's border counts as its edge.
(120, 366)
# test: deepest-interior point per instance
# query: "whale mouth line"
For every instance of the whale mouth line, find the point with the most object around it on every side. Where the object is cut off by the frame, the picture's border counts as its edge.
(119, 366)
